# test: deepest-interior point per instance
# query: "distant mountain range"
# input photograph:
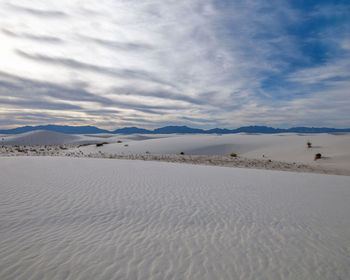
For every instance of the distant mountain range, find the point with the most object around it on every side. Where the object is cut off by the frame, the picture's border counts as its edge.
(57, 128)
(170, 130)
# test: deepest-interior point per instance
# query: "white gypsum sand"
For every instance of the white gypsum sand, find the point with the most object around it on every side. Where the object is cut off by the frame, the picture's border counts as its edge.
(44, 137)
(71, 218)
(279, 146)
(289, 147)
(276, 152)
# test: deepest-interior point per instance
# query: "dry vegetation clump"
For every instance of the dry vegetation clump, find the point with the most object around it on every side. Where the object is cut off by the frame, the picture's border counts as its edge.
(126, 145)
(101, 144)
(84, 145)
(233, 155)
(309, 144)
(182, 153)
(119, 141)
(318, 156)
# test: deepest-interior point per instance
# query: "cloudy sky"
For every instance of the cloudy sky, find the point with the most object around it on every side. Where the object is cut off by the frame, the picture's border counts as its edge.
(150, 63)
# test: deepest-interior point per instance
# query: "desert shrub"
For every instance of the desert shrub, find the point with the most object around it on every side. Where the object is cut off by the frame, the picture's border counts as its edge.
(101, 144)
(119, 141)
(309, 144)
(126, 145)
(84, 145)
(233, 155)
(182, 153)
(318, 156)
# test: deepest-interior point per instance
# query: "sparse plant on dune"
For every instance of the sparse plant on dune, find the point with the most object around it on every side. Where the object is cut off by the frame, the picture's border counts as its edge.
(318, 156)
(101, 144)
(309, 144)
(18, 149)
(233, 155)
(84, 145)
(182, 153)
(126, 145)
(119, 141)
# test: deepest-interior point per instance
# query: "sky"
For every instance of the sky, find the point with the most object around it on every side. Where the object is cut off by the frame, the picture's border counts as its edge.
(151, 63)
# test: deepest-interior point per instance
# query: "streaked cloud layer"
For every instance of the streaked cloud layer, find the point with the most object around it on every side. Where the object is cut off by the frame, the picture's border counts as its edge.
(149, 63)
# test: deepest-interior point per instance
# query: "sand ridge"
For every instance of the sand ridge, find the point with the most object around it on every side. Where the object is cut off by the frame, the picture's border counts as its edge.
(213, 160)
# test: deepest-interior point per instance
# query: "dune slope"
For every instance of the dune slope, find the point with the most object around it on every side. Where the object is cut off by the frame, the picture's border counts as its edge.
(335, 149)
(39, 137)
(65, 218)
(44, 137)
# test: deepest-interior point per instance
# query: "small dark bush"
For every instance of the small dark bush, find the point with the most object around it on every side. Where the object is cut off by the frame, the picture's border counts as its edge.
(119, 141)
(309, 144)
(318, 156)
(126, 145)
(101, 144)
(182, 153)
(233, 155)
(84, 145)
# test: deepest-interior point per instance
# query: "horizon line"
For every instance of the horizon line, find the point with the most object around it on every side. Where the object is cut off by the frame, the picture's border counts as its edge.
(155, 128)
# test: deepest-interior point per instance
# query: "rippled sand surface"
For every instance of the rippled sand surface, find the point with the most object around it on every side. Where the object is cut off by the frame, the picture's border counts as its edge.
(79, 218)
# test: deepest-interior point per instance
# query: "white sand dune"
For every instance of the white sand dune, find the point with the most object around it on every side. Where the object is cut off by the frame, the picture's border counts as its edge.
(288, 148)
(335, 149)
(66, 218)
(44, 137)
(40, 137)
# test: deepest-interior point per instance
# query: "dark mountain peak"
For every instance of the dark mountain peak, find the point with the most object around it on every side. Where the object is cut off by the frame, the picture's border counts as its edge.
(218, 131)
(131, 130)
(177, 129)
(257, 129)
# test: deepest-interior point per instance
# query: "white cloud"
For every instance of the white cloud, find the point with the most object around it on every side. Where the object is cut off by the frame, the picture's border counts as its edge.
(199, 59)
